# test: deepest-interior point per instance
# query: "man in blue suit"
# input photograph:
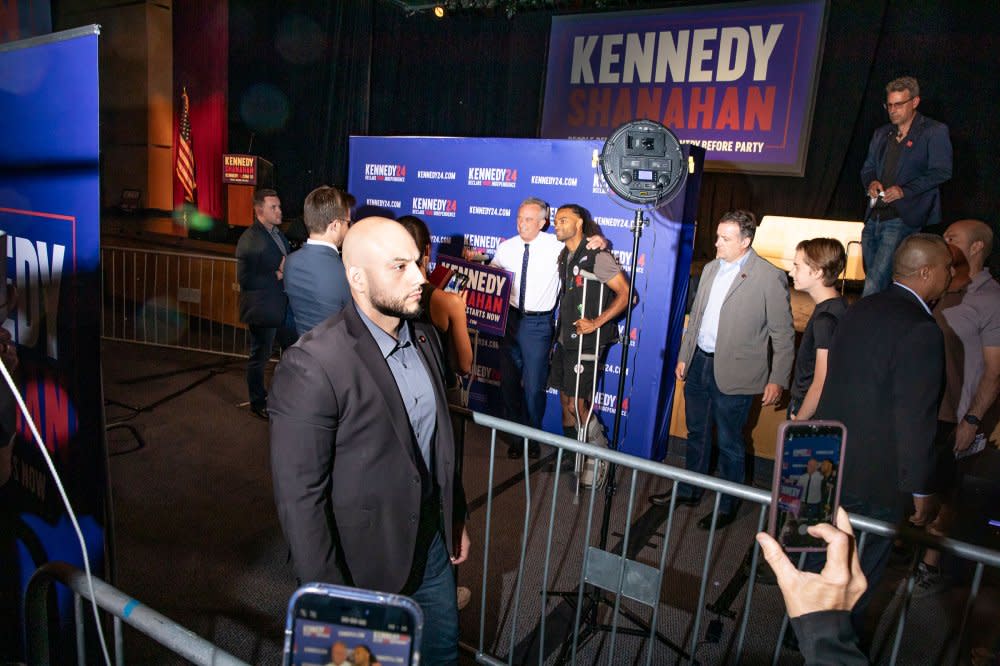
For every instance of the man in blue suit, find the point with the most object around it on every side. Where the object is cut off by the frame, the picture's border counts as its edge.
(314, 275)
(908, 160)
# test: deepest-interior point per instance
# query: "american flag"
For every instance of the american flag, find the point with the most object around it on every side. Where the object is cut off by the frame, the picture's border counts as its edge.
(185, 154)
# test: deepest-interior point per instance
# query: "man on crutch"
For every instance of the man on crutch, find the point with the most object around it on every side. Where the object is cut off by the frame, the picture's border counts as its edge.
(583, 337)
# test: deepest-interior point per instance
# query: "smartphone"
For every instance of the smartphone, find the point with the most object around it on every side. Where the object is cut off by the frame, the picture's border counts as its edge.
(346, 625)
(806, 488)
(456, 283)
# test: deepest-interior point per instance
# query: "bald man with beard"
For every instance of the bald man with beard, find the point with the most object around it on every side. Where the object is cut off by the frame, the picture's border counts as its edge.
(361, 398)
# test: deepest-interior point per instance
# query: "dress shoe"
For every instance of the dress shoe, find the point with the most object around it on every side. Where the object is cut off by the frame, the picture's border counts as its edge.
(534, 450)
(722, 521)
(515, 451)
(260, 412)
(663, 499)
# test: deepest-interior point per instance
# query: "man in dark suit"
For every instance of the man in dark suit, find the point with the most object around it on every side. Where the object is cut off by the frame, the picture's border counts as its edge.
(908, 160)
(740, 313)
(260, 262)
(362, 452)
(314, 275)
(884, 380)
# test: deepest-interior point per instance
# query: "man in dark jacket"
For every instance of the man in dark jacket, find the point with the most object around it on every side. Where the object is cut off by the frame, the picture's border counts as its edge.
(314, 274)
(260, 262)
(884, 381)
(361, 397)
(908, 160)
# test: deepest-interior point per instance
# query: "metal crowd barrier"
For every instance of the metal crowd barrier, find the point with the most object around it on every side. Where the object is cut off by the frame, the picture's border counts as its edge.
(628, 579)
(164, 631)
(172, 299)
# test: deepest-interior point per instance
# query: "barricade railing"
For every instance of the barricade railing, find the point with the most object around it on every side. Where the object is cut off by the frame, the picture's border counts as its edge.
(121, 606)
(172, 299)
(626, 578)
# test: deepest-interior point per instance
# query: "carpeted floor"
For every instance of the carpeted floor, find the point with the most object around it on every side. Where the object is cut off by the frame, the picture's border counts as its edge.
(197, 538)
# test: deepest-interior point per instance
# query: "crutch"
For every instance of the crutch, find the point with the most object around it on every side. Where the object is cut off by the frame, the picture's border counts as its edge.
(583, 426)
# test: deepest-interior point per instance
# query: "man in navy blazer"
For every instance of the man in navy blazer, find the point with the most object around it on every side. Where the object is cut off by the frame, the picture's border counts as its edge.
(366, 481)
(260, 262)
(908, 160)
(314, 275)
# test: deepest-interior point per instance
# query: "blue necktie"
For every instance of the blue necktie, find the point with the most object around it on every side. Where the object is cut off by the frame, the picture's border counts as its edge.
(524, 279)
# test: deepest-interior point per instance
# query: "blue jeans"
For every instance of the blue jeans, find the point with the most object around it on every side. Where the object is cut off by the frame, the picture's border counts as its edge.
(261, 342)
(524, 367)
(704, 406)
(436, 598)
(879, 240)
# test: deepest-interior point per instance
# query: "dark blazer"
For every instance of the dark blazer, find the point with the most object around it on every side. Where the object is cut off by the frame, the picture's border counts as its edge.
(316, 285)
(262, 296)
(924, 164)
(343, 457)
(885, 372)
(756, 312)
(827, 637)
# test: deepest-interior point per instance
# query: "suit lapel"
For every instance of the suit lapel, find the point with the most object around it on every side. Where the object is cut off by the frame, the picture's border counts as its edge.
(424, 344)
(378, 369)
(742, 276)
(906, 149)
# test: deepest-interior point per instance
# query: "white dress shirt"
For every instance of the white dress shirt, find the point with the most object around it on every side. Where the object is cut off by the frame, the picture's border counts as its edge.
(314, 241)
(724, 277)
(543, 270)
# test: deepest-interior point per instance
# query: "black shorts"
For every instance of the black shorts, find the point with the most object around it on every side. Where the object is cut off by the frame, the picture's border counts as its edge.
(562, 372)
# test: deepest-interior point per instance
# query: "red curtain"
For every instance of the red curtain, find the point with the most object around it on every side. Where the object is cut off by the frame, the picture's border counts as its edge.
(201, 51)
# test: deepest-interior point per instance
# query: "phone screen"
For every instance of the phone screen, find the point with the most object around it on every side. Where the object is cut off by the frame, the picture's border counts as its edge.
(456, 283)
(806, 487)
(327, 627)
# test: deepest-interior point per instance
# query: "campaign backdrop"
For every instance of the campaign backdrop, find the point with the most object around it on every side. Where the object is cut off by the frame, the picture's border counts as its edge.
(736, 79)
(468, 192)
(49, 210)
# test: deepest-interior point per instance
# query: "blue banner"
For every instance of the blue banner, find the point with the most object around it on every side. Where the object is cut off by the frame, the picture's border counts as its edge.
(738, 80)
(49, 210)
(468, 192)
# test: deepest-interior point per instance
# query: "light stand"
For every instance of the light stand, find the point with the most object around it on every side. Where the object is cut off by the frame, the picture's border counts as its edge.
(643, 164)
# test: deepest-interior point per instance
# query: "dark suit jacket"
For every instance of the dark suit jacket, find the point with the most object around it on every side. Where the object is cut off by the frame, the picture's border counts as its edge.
(924, 164)
(343, 457)
(827, 637)
(316, 285)
(262, 296)
(885, 372)
(756, 312)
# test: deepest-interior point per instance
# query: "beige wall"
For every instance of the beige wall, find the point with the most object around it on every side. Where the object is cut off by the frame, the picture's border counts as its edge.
(136, 79)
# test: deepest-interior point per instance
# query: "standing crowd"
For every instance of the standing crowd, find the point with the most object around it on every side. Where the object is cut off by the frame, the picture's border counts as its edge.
(912, 369)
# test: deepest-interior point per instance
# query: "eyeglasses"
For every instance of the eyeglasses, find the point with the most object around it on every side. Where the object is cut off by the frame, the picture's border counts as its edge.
(892, 106)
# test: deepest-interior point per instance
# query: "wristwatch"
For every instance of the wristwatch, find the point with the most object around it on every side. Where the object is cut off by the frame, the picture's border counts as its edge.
(972, 419)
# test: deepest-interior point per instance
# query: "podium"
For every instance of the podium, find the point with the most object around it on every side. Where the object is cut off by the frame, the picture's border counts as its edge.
(242, 175)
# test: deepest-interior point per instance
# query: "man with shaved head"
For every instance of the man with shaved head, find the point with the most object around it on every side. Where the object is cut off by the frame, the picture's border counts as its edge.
(362, 453)
(886, 372)
(969, 317)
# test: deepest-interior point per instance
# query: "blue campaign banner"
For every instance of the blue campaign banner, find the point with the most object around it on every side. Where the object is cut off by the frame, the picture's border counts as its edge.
(49, 212)
(468, 192)
(487, 293)
(738, 80)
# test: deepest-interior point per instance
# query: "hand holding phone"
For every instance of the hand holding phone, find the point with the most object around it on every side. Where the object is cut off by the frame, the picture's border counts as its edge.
(837, 587)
